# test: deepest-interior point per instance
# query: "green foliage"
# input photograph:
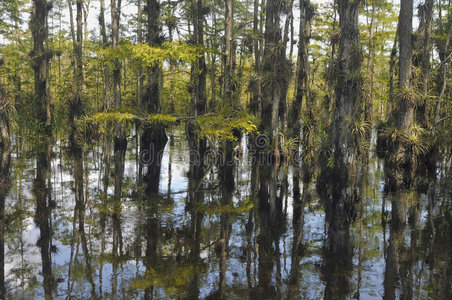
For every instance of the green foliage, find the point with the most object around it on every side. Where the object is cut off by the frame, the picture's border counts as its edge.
(149, 55)
(222, 125)
(330, 163)
(174, 279)
(161, 119)
(289, 146)
(214, 209)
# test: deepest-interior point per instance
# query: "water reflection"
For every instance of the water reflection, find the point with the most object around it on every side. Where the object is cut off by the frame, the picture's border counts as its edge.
(92, 223)
(5, 184)
(43, 215)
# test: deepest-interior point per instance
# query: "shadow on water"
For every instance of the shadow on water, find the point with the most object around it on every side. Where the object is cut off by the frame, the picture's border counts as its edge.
(97, 222)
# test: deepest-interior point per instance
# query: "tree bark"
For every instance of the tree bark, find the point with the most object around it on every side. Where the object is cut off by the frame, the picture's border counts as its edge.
(229, 55)
(274, 64)
(198, 74)
(255, 105)
(152, 96)
(348, 86)
(406, 118)
(115, 18)
(75, 110)
(423, 46)
(4, 121)
(444, 68)
(302, 80)
(106, 68)
(41, 57)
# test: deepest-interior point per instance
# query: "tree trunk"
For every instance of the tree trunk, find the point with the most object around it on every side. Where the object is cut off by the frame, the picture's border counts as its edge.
(283, 109)
(423, 46)
(75, 110)
(41, 57)
(4, 121)
(348, 86)
(106, 69)
(198, 73)
(229, 85)
(392, 62)
(406, 118)
(154, 138)
(152, 95)
(140, 67)
(255, 105)
(115, 17)
(274, 64)
(371, 69)
(341, 173)
(302, 80)
(5, 185)
(444, 65)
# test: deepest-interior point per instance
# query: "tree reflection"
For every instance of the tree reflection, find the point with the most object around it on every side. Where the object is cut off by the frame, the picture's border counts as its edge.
(299, 201)
(42, 190)
(340, 196)
(5, 184)
(271, 226)
(78, 161)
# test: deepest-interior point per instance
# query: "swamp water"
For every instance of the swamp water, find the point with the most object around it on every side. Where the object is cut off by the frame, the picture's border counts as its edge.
(88, 226)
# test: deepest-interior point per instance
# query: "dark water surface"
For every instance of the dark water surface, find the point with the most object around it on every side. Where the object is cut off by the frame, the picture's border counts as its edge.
(87, 226)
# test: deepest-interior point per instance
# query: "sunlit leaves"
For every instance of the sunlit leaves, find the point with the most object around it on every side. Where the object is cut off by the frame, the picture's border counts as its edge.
(222, 126)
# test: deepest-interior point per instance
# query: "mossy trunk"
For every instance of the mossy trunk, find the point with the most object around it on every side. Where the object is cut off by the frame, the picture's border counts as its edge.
(406, 104)
(341, 173)
(273, 65)
(423, 47)
(303, 72)
(4, 121)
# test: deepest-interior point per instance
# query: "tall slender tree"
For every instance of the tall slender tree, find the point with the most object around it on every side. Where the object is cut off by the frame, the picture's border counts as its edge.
(302, 80)
(115, 19)
(41, 56)
(406, 105)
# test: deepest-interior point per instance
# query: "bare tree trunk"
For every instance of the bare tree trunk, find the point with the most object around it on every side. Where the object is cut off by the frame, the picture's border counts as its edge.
(152, 95)
(154, 137)
(423, 45)
(106, 68)
(406, 118)
(198, 73)
(302, 80)
(115, 17)
(444, 77)
(77, 40)
(371, 68)
(392, 62)
(41, 57)
(85, 8)
(5, 185)
(229, 85)
(255, 105)
(4, 121)
(283, 107)
(140, 68)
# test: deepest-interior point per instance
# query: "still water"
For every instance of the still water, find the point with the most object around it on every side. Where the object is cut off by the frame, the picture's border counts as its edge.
(98, 225)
